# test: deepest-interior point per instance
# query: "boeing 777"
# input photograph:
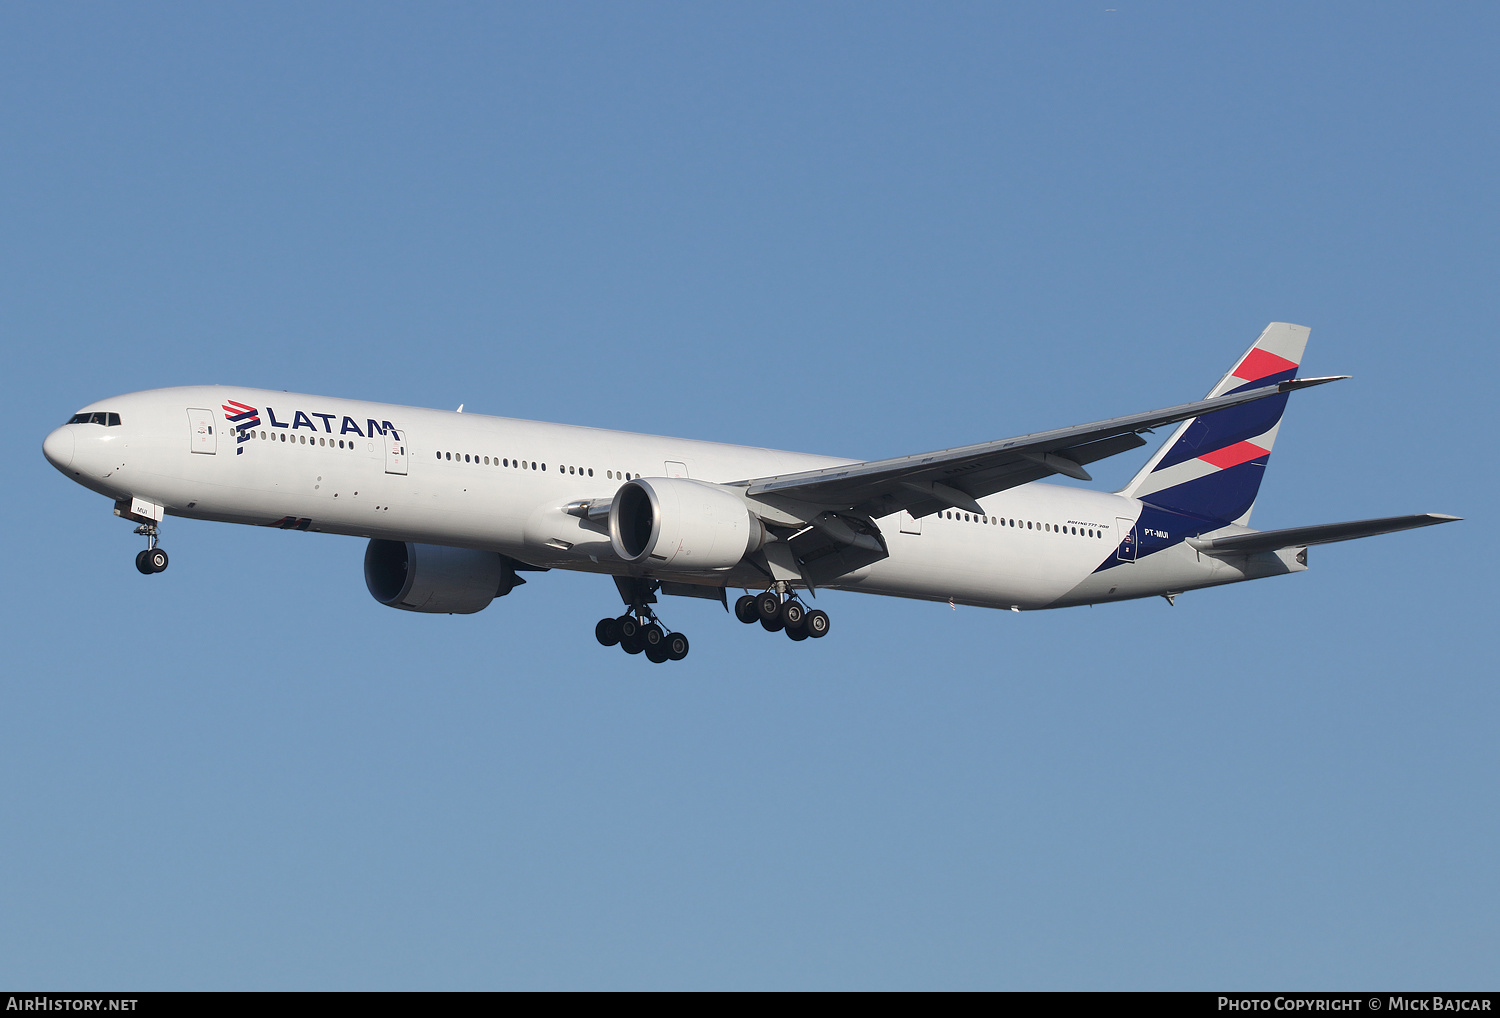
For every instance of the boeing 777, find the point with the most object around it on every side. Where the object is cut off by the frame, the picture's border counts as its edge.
(456, 506)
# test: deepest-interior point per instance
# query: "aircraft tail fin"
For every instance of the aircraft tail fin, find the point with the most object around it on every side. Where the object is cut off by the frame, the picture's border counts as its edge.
(1212, 465)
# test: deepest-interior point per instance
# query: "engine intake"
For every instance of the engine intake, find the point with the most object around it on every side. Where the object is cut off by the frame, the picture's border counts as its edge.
(678, 523)
(434, 578)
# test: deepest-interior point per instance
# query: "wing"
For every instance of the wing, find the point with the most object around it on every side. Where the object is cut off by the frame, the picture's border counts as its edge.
(956, 478)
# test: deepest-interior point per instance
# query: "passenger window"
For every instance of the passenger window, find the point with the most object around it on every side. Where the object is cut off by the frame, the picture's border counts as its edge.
(591, 471)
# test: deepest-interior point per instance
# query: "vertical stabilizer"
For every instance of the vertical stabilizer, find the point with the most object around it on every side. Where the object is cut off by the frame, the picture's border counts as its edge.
(1212, 465)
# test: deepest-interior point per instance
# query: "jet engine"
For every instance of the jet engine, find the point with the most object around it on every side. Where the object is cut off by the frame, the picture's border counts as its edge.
(677, 523)
(434, 578)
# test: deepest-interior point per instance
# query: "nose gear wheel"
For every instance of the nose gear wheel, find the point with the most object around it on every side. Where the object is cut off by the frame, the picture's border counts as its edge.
(153, 559)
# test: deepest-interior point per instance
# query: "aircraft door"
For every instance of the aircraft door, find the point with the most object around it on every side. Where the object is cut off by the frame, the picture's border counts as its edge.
(1126, 550)
(910, 524)
(676, 469)
(201, 437)
(395, 451)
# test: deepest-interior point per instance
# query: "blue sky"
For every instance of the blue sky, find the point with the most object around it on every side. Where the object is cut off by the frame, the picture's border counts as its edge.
(865, 230)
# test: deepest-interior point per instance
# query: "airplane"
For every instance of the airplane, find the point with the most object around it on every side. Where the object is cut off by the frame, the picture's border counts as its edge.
(455, 506)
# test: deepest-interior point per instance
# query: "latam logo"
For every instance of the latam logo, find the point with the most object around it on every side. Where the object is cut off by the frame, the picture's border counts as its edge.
(243, 418)
(246, 419)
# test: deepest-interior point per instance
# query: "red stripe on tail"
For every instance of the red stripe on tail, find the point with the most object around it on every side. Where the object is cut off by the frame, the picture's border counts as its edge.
(1233, 455)
(1259, 363)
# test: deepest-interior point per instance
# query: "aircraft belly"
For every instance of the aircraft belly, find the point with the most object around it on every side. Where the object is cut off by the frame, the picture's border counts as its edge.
(989, 569)
(1174, 570)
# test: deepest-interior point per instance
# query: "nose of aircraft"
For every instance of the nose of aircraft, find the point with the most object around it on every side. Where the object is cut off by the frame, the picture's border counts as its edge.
(58, 448)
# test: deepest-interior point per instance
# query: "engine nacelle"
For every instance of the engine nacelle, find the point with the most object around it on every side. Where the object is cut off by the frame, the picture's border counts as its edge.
(433, 578)
(677, 523)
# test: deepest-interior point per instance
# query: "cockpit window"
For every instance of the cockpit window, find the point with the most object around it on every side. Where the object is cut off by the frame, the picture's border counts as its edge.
(109, 420)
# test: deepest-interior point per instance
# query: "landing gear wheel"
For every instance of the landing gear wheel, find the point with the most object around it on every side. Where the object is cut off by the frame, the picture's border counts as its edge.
(631, 641)
(771, 625)
(768, 606)
(744, 609)
(157, 560)
(677, 646)
(792, 614)
(141, 563)
(652, 635)
(816, 624)
(797, 635)
(607, 632)
(657, 653)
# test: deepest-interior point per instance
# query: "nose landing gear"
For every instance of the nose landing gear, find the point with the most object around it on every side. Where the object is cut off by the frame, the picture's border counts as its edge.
(153, 559)
(787, 615)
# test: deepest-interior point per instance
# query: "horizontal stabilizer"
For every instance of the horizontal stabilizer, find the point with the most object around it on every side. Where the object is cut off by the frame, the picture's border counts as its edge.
(1325, 533)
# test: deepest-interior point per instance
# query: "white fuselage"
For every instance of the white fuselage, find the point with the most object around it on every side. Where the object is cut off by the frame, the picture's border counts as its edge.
(496, 484)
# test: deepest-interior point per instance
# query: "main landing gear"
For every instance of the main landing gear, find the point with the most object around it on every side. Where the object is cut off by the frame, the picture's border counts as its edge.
(153, 559)
(787, 614)
(639, 631)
